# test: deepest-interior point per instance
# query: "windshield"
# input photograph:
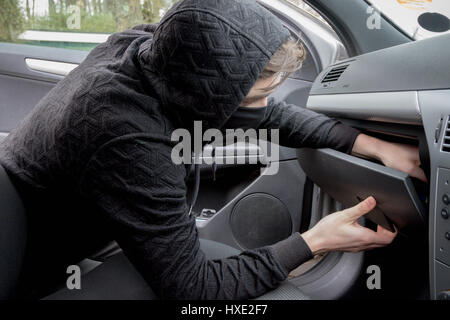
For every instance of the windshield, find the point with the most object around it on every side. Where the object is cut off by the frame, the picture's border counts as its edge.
(420, 19)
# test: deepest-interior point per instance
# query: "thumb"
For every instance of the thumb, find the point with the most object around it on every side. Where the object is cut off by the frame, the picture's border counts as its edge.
(418, 173)
(362, 208)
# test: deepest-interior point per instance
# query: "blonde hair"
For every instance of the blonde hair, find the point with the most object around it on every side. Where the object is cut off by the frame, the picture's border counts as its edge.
(288, 59)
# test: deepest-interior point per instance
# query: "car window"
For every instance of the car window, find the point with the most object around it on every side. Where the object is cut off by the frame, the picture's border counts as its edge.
(308, 9)
(420, 19)
(74, 24)
(309, 71)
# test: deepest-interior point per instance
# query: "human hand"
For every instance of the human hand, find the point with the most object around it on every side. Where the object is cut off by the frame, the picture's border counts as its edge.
(393, 155)
(341, 231)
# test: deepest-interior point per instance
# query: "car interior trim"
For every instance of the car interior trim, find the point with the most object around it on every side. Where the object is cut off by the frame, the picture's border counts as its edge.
(394, 107)
(54, 67)
(76, 37)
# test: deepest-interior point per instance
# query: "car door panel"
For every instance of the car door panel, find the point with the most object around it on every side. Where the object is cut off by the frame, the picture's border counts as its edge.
(21, 87)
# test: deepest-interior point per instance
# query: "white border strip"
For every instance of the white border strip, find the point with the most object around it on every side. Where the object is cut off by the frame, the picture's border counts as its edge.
(54, 67)
(31, 35)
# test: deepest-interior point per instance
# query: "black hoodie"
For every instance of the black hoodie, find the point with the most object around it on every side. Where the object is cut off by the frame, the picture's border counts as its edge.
(93, 159)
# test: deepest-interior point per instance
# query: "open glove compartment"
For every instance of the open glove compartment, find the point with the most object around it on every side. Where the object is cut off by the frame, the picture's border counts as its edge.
(349, 180)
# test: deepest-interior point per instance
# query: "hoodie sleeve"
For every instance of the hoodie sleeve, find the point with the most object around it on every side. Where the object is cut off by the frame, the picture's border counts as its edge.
(300, 127)
(141, 194)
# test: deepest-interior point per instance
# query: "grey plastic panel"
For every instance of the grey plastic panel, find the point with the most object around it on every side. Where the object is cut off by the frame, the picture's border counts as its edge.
(21, 88)
(436, 109)
(336, 273)
(442, 249)
(396, 107)
(420, 65)
(442, 272)
(18, 98)
(12, 60)
(287, 185)
(349, 180)
(332, 277)
(293, 91)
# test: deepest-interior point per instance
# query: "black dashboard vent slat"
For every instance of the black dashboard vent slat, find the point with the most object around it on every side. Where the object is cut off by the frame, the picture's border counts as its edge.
(446, 142)
(334, 74)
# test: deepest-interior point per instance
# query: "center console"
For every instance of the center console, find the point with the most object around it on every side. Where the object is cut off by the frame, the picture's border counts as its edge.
(403, 91)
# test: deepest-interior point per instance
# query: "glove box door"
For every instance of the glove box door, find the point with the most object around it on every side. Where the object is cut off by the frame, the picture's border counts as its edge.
(349, 180)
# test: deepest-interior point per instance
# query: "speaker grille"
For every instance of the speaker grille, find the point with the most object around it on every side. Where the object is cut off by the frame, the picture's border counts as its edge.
(259, 220)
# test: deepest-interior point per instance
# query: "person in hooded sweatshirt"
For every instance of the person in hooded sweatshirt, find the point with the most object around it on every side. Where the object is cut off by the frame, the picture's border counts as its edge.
(92, 162)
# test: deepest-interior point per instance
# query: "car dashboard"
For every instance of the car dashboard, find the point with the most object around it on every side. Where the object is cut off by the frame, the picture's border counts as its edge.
(400, 94)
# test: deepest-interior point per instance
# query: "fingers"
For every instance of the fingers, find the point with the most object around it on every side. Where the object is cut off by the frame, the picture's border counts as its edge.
(383, 236)
(415, 170)
(360, 209)
(384, 230)
(371, 240)
(418, 173)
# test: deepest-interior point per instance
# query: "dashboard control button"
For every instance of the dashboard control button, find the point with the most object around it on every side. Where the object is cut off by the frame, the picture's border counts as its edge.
(447, 235)
(446, 199)
(445, 214)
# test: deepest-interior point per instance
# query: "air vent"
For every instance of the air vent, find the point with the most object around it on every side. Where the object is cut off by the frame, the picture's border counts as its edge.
(446, 142)
(334, 74)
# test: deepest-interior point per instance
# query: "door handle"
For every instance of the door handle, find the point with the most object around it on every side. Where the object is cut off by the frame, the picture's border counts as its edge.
(48, 66)
(233, 155)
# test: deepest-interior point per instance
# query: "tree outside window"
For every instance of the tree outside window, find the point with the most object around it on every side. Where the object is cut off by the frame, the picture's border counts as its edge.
(93, 16)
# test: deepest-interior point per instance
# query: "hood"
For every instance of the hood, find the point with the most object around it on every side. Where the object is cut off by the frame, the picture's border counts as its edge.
(206, 55)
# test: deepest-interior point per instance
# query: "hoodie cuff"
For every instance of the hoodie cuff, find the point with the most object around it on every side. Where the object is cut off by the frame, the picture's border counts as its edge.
(292, 252)
(342, 138)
